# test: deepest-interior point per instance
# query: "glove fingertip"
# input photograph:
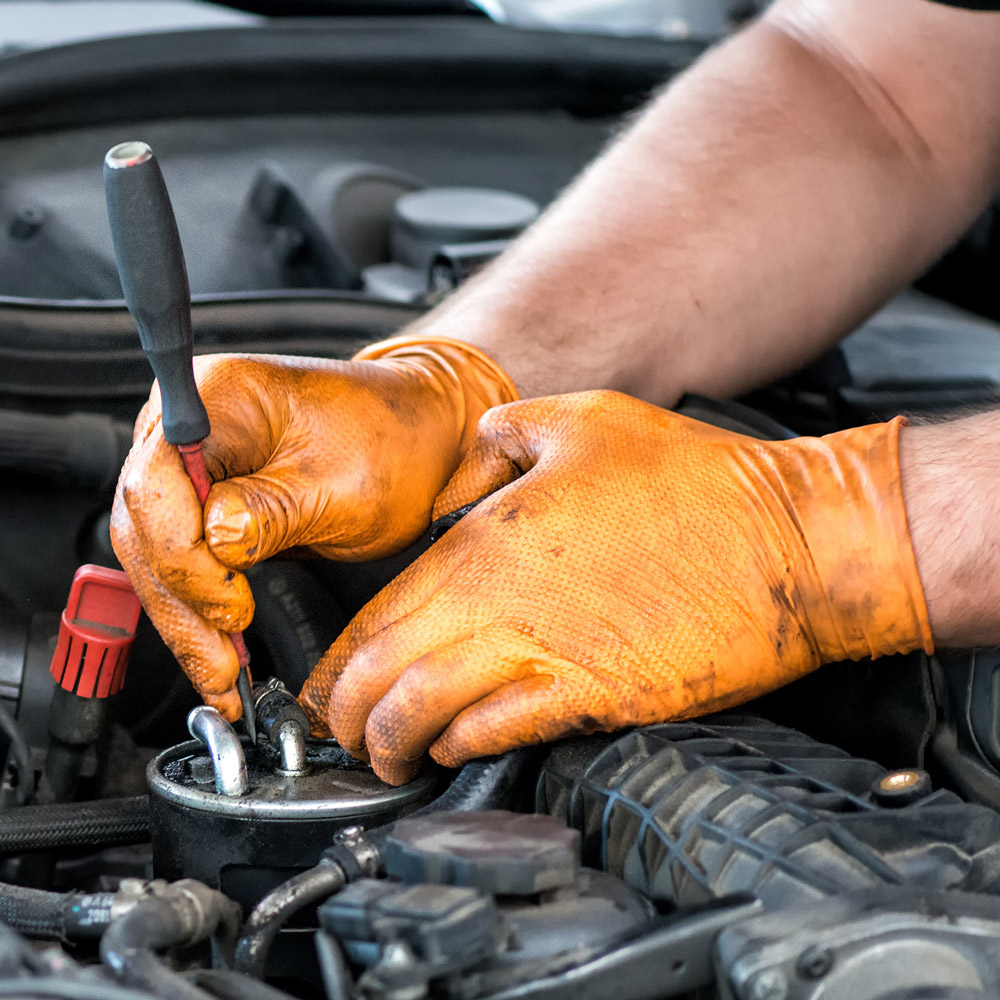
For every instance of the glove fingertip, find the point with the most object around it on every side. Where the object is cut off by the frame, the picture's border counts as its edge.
(210, 662)
(451, 753)
(319, 726)
(228, 703)
(395, 771)
(234, 608)
(480, 475)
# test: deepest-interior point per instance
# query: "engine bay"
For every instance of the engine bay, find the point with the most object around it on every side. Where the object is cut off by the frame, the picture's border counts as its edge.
(332, 179)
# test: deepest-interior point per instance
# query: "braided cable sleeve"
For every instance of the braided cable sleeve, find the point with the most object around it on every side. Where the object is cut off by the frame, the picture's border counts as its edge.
(33, 912)
(101, 823)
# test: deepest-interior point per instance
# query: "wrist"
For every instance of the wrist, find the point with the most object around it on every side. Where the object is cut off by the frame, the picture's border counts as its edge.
(469, 379)
(858, 582)
(949, 477)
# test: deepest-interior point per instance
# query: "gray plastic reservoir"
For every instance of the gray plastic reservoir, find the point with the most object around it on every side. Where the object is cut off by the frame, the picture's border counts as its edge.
(425, 220)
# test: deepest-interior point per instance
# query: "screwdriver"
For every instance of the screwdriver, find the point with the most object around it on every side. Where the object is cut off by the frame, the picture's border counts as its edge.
(154, 279)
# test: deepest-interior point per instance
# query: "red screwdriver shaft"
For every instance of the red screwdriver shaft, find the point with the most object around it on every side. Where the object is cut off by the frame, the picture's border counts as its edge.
(194, 463)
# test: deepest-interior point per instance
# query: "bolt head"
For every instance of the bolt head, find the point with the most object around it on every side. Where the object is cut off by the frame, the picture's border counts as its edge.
(814, 962)
(769, 984)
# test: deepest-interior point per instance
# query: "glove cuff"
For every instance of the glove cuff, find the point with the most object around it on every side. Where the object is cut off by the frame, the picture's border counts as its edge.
(868, 599)
(475, 377)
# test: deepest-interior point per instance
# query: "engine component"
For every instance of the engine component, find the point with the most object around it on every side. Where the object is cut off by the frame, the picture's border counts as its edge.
(434, 930)
(96, 633)
(688, 812)
(439, 236)
(69, 916)
(965, 749)
(170, 916)
(246, 844)
(353, 202)
(26, 970)
(880, 944)
(26, 646)
(225, 750)
(303, 254)
(395, 283)
(457, 262)
(352, 856)
(496, 896)
(424, 221)
(500, 852)
(20, 757)
(281, 719)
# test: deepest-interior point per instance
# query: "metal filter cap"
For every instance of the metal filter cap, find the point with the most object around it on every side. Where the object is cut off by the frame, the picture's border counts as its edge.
(335, 786)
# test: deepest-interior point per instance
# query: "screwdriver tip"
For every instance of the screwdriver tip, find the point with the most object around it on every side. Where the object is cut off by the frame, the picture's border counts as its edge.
(246, 699)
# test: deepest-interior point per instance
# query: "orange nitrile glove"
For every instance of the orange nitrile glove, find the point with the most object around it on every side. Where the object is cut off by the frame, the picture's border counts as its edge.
(342, 458)
(632, 566)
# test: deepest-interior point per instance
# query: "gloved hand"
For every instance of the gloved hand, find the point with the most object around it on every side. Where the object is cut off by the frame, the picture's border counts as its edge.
(341, 458)
(631, 566)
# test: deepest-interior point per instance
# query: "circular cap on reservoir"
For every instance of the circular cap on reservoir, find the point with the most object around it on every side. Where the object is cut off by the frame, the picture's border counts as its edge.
(511, 854)
(434, 217)
(127, 154)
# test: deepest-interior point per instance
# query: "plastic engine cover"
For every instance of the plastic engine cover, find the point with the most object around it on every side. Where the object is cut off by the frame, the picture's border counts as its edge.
(687, 812)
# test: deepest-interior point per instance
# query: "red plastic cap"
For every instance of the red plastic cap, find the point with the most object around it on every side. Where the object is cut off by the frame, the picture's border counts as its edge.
(96, 633)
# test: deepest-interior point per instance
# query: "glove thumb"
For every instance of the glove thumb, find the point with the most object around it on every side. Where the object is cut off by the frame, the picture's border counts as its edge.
(506, 446)
(250, 518)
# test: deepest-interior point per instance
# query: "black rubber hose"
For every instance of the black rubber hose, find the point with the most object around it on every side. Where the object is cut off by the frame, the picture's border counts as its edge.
(97, 824)
(81, 449)
(297, 616)
(33, 912)
(147, 972)
(277, 907)
(64, 916)
(186, 912)
(487, 783)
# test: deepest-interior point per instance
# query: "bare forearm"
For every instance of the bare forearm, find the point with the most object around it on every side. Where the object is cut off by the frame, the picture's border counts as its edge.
(949, 477)
(758, 210)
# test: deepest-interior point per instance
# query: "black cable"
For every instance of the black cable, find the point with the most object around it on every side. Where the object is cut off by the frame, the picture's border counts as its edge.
(100, 823)
(277, 907)
(22, 756)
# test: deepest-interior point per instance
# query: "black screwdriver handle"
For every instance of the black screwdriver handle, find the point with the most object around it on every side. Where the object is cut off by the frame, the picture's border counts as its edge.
(155, 282)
